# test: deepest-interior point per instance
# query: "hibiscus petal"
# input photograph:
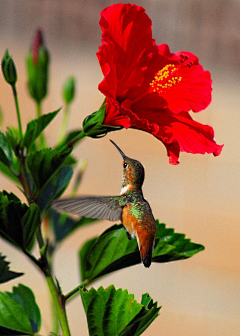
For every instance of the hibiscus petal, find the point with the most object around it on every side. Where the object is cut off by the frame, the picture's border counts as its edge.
(193, 92)
(178, 132)
(126, 41)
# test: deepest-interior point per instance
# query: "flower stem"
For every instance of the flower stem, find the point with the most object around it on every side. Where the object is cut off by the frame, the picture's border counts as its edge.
(17, 109)
(63, 129)
(41, 137)
(76, 139)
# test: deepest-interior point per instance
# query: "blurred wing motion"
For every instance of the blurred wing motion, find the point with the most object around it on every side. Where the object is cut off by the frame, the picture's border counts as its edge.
(103, 207)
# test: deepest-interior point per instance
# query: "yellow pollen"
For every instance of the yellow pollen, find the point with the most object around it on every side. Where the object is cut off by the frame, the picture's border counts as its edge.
(165, 79)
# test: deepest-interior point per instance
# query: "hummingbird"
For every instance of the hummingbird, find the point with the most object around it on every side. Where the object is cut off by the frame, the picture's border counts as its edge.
(130, 208)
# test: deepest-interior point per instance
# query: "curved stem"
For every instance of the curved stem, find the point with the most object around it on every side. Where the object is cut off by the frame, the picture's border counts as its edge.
(18, 111)
(73, 292)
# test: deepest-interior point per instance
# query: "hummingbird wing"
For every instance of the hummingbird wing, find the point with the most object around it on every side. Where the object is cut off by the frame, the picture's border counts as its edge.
(99, 207)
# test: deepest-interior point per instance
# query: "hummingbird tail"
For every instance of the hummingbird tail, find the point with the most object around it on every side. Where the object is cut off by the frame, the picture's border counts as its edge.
(145, 244)
(147, 260)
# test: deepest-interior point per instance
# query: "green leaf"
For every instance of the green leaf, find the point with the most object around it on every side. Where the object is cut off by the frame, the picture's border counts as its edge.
(35, 128)
(6, 153)
(5, 273)
(4, 169)
(12, 316)
(113, 251)
(115, 312)
(44, 164)
(54, 187)
(26, 300)
(12, 136)
(83, 254)
(30, 221)
(108, 311)
(18, 222)
(63, 225)
(147, 315)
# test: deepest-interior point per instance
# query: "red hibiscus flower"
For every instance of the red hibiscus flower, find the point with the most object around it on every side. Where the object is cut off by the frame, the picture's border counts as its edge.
(150, 89)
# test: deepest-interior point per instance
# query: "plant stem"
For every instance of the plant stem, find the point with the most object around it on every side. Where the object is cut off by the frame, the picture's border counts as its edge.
(59, 305)
(41, 137)
(64, 126)
(72, 293)
(18, 111)
(76, 139)
(58, 300)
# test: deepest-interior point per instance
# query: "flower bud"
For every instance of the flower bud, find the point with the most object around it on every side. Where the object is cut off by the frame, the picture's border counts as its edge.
(93, 124)
(9, 69)
(37, 68)
(69, 90)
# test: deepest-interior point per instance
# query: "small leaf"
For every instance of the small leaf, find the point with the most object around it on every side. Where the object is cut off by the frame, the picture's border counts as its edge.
(54, 187)
(12, 316)
(35, 128)
(44, 164)
(12, 136)
(18, 222)
(113, 251)
(63, 225)
(5, 273)
(4, 169)
(109, 310)
(26, 300)
(30, 221)
(6, 153)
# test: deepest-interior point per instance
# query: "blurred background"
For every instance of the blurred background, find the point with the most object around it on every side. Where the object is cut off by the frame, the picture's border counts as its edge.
(200, 197)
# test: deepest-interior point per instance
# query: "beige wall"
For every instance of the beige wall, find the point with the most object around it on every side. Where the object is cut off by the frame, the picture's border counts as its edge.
(200, 197)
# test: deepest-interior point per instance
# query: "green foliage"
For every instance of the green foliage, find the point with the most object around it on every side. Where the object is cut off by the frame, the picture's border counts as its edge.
(6, 153)
(112, 250)
(19, 313)
(54, 187)
(18, 222)
(12, 136)
(115, 312)
(35, 128)
(5, 273)
(44, 164)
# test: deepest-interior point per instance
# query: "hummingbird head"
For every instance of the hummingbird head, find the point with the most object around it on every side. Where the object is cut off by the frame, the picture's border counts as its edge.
(133, 172)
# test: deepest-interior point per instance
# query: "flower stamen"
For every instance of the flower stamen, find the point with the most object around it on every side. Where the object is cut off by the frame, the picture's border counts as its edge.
(165, 79)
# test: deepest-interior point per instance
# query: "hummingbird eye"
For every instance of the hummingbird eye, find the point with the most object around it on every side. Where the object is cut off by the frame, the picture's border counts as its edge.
(125, 165)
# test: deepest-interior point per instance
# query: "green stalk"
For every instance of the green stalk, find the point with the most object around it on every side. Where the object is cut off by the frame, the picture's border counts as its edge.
(76, 139)
(55, 321)
(41, 137)
(17, 109)
(72, 294)
(58, 305)
(63, 129)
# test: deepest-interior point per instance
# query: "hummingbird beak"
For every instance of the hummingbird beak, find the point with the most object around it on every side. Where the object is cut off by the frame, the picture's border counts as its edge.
(120, 151)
